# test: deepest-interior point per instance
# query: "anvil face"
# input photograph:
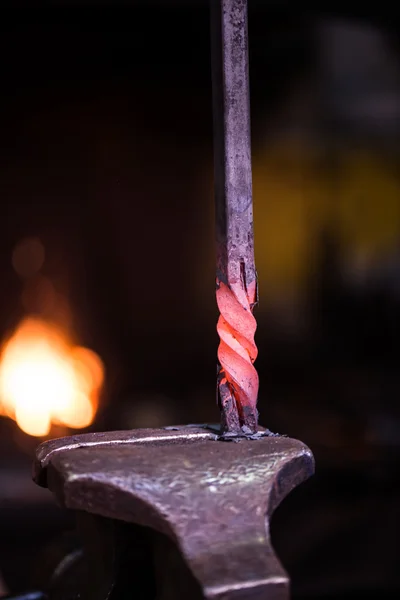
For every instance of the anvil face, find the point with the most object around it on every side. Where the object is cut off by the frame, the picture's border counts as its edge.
(210, 499)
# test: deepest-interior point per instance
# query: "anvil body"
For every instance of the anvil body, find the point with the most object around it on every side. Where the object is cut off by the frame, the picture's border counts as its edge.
(174, 513)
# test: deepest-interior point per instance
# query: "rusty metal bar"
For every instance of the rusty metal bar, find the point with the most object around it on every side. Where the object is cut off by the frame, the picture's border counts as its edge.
(236, 272)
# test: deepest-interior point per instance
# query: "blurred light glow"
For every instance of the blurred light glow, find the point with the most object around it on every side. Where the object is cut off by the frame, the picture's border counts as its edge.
(45, 380)
(28, 257)
(295, 200)
(39, 296)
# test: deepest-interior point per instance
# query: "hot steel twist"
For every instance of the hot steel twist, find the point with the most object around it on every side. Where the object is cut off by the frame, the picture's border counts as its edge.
(237, 377)
(236, 274)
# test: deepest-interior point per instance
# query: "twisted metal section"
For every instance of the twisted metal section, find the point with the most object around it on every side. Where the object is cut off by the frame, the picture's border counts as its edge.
(237, 377)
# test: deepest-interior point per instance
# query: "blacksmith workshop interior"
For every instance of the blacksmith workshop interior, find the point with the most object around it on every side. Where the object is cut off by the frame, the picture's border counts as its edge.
(107, 261)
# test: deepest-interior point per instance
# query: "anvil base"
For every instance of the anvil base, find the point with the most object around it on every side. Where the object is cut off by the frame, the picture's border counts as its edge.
(174, 513)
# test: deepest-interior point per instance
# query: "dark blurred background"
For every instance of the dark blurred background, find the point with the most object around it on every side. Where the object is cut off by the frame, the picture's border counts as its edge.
(106, 191)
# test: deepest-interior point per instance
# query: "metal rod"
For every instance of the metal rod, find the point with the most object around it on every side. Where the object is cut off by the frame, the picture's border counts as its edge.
(237, 380)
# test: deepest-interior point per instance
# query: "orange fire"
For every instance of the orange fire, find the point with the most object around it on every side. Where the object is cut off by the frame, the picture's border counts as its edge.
(45, 380)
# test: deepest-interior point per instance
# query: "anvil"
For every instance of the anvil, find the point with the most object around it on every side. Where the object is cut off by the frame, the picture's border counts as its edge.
(173, 513)
(182, 513)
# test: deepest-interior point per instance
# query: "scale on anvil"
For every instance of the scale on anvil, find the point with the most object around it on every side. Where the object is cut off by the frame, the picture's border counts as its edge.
(183, 512)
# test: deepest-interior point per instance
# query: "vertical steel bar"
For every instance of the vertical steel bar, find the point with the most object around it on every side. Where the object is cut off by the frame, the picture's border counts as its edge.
(236, 273)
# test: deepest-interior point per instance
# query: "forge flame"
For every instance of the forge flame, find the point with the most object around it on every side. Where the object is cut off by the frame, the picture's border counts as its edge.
(45, 380)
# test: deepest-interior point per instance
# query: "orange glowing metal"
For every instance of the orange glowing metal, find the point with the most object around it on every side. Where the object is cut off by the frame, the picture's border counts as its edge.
(237, 350)
(45, 380)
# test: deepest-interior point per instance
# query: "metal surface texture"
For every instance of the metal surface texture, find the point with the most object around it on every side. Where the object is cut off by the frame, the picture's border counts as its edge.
(210, 500)
(236, 293)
